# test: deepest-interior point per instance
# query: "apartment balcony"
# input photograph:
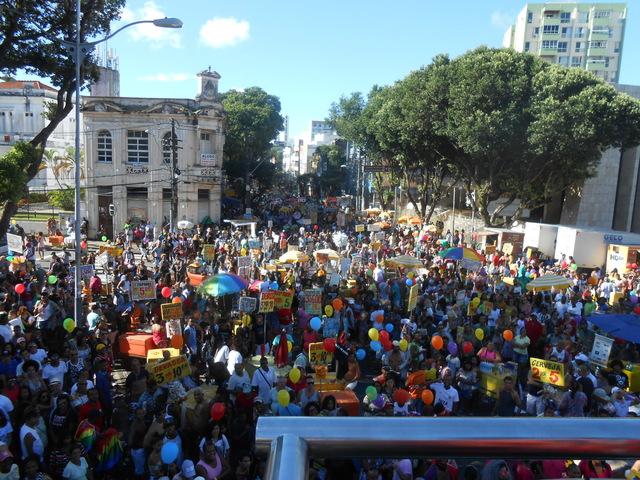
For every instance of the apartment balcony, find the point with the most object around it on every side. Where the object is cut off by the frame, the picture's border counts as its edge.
(550, 21)
(598, 36)
(597, 52)
(596, 65)
(545, 52)
(550, 36)
(601, 22)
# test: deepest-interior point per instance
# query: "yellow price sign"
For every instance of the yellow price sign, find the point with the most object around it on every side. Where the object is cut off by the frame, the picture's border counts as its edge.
(158, 353)
(546, 371)
(171, 311)
(318, 355)
(171, 370)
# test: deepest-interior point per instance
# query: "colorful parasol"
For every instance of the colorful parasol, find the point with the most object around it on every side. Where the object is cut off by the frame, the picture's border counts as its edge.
(406, 261)
(459, 253)
(549, 281)
(222, 284)
(294, 256)
(383, 224)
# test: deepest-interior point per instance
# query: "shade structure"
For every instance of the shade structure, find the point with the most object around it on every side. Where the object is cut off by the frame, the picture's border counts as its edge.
(222, 284)
(406, 261)
(459, 253)
(294, 256)
(624, 326)
(331, 254)
(185, 224)
(410, 219)
(549, 281)
(383, 224)
(373, 211)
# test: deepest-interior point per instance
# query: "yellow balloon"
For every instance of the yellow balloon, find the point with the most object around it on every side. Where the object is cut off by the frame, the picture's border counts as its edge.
(475, 302)
(246, 320)
(289, 345)
(283, 397)
(243, 252)
(431, 374)
(410, 275)
(374, 334)
(479, 334)
(328, 310)
(403, 345)
(294, 375)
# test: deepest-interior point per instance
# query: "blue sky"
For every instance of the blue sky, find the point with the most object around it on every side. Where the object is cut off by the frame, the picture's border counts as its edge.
(310, 53)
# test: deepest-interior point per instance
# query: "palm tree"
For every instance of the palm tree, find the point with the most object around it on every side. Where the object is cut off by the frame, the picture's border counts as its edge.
(58, 164)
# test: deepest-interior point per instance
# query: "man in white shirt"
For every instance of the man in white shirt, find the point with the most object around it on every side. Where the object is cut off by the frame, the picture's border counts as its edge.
(238, 380)
(264, 378)
(234, 357)
(54, 369)
(445, 394)
(6, 330)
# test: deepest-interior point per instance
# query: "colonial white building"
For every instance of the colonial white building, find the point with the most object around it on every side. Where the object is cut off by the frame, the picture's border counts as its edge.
(136, 148)
(23, 105)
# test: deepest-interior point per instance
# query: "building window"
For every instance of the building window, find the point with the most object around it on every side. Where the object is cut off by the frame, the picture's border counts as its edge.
(602, 14)
(603, 74)
(550, 29)
(137, 192)
(564, 61)
(616, 47)
(530, 17)
(167, 145)
(584, 17)
(580, 32)
(562, 47)
(205, 143)
(567, 32)
(549, 44)
(599, 44)
(536, 32)
(601, 31)
(166, 194)
(527, 46)
(565, 17)
(580, 47)
(576, 62)
(105, 146)
(137, 146)
(203, 194)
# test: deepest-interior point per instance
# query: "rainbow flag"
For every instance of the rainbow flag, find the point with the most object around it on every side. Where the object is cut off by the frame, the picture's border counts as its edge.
(85, 435)
(109, 451)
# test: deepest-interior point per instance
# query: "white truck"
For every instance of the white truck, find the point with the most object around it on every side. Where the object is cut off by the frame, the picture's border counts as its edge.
(542, 237)
(588, 246)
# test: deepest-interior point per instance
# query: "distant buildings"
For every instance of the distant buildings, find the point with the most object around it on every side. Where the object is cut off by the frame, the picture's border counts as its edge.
(572, 34)
(298, 157)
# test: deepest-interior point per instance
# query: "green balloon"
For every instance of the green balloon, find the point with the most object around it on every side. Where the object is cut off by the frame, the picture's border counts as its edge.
(371, 392)
(69, 325)
(52, 279)
(104, 238)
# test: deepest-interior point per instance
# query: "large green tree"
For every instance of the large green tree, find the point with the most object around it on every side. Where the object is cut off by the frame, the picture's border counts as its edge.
(30, 31)
(253, 123)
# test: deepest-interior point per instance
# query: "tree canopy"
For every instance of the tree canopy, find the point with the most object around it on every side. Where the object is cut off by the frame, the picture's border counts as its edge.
(504, 124)
(30, 31)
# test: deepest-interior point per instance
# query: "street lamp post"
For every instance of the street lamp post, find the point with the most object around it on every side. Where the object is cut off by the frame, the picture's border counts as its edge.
(78, 50)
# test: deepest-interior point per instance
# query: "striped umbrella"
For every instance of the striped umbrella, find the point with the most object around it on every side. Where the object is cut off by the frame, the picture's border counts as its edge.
(406, 261)
(222, 284)
(549, 281)
(332, 254)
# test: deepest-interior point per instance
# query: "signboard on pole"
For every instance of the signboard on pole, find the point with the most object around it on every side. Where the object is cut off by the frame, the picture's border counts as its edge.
(283, 299)
(547, 372)
(318, 355)
(143, 290)
(85, 270)
(247, 304)
(267, 302)
(601, 350)
(313, 302)
(15, 244)
(208, 252)
(171, 311)
(413, 297)
(102, 260)
(330, 326)
(171, 370)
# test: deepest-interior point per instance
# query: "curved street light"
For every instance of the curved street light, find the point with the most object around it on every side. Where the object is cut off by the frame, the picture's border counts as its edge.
(78, 50)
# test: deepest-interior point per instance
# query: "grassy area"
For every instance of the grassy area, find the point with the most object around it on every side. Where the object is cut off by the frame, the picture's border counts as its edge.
(32, 216)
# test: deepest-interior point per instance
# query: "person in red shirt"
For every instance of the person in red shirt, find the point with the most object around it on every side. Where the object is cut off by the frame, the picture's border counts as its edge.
(535, 332)
(94, 402)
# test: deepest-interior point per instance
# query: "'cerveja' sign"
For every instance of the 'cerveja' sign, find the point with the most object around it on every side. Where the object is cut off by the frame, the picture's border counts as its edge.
(171, 311)
(547, 372)
(170, 370)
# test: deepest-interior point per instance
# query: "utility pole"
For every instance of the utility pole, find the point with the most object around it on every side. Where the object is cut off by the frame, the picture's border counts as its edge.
(173, 214)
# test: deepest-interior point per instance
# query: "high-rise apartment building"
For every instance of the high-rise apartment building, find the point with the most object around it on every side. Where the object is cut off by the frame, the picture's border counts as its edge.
(581, 35)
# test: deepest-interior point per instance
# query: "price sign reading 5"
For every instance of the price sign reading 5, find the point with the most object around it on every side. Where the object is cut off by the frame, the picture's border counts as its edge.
(547, 372)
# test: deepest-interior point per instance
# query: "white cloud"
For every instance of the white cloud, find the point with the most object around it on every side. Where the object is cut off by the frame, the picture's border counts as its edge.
(502, 20)
(156, 37)
(224, 32)
(167, 77)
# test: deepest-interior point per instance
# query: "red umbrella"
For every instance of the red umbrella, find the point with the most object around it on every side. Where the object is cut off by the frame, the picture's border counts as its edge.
(255, 286)
(281, 357)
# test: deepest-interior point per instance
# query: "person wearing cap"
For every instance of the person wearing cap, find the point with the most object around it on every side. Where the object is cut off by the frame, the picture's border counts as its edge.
(9, 470)
(187, 471)
(172, 435)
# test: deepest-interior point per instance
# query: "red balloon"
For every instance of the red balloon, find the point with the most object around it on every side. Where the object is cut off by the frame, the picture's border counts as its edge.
(563, 264)
(383, 336)
(634, 265)
(19, 288)
(166, 292)
(217, 411)
(636, 310)
(467, 347)
(629, 265)
(329, 345)
(177, 341)
(387, 346)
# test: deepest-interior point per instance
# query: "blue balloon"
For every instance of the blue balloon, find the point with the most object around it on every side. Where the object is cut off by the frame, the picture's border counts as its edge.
(409, 282)
(360, 354)
(378, 326)
(274, 286)
(9, 252)
(375, 345)
(169, 452)
(276, 341)
(389, 327)
(316, 323)
(290, 338)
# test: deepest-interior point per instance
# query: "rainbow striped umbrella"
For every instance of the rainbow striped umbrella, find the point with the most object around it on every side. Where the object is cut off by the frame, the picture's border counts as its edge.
(458, 253)
(222, 284)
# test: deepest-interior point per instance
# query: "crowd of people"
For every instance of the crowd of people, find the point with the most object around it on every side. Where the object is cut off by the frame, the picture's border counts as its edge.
(409, 341)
